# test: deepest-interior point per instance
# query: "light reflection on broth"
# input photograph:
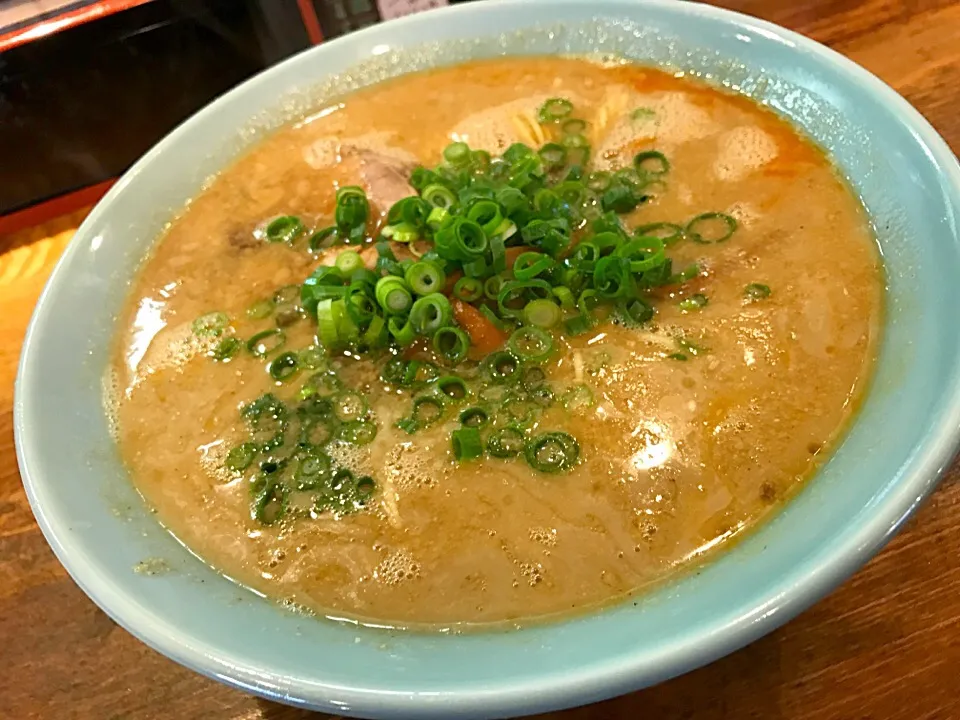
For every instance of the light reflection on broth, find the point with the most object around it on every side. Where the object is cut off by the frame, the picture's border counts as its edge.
(702, 420)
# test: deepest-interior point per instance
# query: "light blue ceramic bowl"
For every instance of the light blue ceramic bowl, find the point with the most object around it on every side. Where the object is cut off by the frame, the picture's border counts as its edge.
(891, 459)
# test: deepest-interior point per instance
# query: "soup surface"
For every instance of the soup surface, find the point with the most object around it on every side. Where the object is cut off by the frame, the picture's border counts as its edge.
(674, 406)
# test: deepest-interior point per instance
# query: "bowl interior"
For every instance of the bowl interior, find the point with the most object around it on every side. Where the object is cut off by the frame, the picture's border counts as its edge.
(905, 434)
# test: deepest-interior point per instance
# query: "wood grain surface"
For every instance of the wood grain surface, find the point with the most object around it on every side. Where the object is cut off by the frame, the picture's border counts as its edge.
(885, 646)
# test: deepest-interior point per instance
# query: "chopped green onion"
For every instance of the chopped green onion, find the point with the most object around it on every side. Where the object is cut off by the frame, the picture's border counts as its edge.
(425, 277)
(287, 295)
(651, 163)
(757, 291)
(348, 261)
(211, 325)
(542, 395)
(417, 372)
(577, 325)
(635, 312)
(376, 333)
(426, 410)
(690, 347)
(531, 343)
(578, 149)
(468, 289)
(451, 343)
(266, 342)
(457, 153)
(411, 211)
(502, 366)
(357, 432)
(553, 110)
(351, 213)
(401, 232)
(322, 239)
(401, 329)
(270, 502)
(694, 302)
(440, 197)
(487, 215)
(284, 367)
(577, 398)
(312, 358)
(365, 486)
(462, 240)
(554, 156)
(711, 227)
(430, 313)
(452, 387)
(493, 286)
(669, 233)
(328, 322)
(285, 228)
(260, 309)
(321, 383)
(574, 126)
(552, 452)
(393, 295)
(312, 468)
(542, 313)
(563, 294)
(530, 264)
(225, 349)
(474, 417)
(242, 456)
(466, 443)
(598, 181)
(349, 405)
(505, 443)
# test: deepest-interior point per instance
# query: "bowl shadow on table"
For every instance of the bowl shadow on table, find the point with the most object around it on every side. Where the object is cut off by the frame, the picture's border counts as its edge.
(747, 684)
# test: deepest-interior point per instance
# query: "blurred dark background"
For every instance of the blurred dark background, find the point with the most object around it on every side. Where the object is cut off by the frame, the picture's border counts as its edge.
(87, 87)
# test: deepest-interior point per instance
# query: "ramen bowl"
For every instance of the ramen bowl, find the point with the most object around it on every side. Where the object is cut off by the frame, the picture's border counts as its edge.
(902, 439)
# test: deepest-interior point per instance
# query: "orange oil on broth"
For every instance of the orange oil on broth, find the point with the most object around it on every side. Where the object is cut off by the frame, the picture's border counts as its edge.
(678, 456)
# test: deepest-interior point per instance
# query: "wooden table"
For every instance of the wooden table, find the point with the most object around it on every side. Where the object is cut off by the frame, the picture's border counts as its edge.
(886, 646)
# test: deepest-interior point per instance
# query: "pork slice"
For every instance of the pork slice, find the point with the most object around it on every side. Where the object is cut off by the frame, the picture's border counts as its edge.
(385, 179)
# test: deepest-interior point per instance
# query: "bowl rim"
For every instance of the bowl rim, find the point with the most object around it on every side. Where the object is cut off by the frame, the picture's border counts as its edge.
(796, 589)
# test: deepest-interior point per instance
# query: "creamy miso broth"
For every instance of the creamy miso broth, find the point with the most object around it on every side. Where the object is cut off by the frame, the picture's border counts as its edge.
(623, 317)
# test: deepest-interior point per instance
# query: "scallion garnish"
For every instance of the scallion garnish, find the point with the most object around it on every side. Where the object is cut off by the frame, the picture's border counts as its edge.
(505, 443)
(651, 163)
(542, 312)
(502, 367)
(451, 344)
(425, 277)
(284, 367)
(211, 325)
(552, 452)
(452, 387)
(285, 228)
(261, 309)
(711, 227)
(554, 110)
(430, 313)
(225, 349)
(474, 417)
(266, 342)
(242, 456)
(393, 295)
(694, 302)
(466, 443)
(531, 343)
(757, 291)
